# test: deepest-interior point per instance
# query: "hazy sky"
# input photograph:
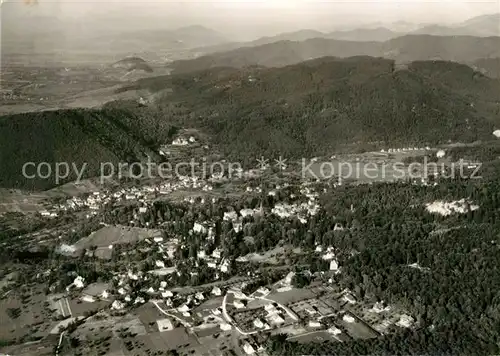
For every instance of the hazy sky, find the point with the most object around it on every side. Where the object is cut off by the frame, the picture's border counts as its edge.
(250, 19)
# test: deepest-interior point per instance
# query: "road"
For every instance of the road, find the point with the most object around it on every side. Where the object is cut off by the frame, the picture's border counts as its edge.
(230, 321)
(183, 322)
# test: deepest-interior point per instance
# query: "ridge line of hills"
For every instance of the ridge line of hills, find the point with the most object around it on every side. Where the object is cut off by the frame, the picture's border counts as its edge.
(463, 49)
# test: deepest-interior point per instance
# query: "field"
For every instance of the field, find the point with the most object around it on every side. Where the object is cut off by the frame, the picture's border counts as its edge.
(111, 235)
(169, 340)
(316, 336)
(148, 314)
(291, 296)
(24, 317)
(358, 329)
(17, 201)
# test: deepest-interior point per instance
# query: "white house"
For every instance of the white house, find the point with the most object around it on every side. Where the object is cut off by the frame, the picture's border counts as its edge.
(440, 154)
(249, 350)
(117, 305)
(238, 304)
(348, 318)
(258, 323)
(164, 325)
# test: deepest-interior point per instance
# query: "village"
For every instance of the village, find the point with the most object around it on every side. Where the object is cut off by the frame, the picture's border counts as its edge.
(172, 267)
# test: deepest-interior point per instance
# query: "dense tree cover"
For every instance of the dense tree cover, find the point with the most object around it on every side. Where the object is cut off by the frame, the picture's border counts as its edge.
(75, 137)
(321, 106)
(489, 66)
(454, 295)
(309, 109)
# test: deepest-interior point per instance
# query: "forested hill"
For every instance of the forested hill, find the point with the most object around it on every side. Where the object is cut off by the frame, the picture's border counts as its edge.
(313, 108)
(464, 49)
(318, 106)
(75, 136)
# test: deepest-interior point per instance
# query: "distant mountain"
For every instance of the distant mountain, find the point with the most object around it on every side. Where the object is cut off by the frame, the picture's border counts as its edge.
(364, 34)
(50, 35)
(408, 48)
(158, 40)
(463, 49)
(485, 25)
(482, 26)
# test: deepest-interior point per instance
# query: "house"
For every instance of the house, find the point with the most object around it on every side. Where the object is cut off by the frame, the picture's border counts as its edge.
(224, 266)
(289, 277)
(230, 216)
(405, 321)
(349, 298)
(166, 294)
(334, 266)
(216, 253)
(199, 228)
(348, 319)
(88, 299)
(238, 304)
(164, 325)
(379, 308)
(200, 296)
(258, 323)
(183, 308)
(160, 264)
(264, 291)
(216, 291)
(276, 319)
(225, 327)
(249, 350)
(117, 305)
(314, 324)
(270, 308)
(335, 331)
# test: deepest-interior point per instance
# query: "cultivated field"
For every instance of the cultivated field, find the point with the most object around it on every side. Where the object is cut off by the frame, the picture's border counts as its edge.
(111, 235)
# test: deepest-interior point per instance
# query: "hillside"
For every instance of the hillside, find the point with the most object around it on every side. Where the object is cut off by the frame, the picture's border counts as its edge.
(75, 136)
(317, 107)
(133, 63)
(481, 26)
(489, 66)
(378, 34)
(402, 49)
(321, 105)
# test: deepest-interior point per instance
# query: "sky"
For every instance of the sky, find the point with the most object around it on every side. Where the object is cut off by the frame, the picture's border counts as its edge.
(251, 19)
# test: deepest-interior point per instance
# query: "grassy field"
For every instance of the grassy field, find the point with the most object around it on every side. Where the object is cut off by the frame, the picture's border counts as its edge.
(111, 235)
(24, 317)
